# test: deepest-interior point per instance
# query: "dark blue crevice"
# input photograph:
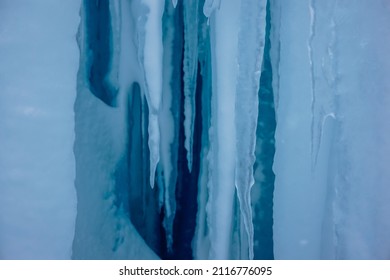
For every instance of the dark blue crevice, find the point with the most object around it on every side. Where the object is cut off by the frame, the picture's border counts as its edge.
(266, 138)
(187, 182)
(99, 45)
(132, 191)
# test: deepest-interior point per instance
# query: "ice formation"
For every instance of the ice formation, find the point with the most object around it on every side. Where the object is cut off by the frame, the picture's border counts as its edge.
(202, 129)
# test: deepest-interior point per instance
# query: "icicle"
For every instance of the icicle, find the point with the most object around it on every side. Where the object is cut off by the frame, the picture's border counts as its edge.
(174, 3)
(201, 241)
(250, 56)
(224, 28)
(190, 69)
(168, 121)
(152, 62)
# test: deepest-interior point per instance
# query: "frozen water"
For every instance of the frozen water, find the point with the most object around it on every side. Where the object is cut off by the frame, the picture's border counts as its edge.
(38, 73)
(202, 129)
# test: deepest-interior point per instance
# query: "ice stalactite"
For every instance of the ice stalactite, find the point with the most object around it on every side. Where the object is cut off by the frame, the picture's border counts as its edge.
(190, 65)
(250, 55)
(202, 129)
(236, 66)
(168, 120)
(224, 30)
(151, 58)
(201, 239)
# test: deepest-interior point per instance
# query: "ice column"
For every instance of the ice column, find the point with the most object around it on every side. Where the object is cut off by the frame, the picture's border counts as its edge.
(250, 55)
(190, 65)
(152, 59)
(224, 29)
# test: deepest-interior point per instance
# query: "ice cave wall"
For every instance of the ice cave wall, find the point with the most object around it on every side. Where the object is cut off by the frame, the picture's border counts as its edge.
(38, 70)
(202, 129)
(332, 134)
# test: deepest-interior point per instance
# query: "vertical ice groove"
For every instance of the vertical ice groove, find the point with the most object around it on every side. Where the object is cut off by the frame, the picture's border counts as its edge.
(224, 28)
(294, 191)
(112, 75)
(330, 75)
(168, 141)
(210, 6)
(152, 62)
(250, 55)
(212, 152)
(337, 88)
(190, 64)
(201, 244)
(333, 86)
(314, 145)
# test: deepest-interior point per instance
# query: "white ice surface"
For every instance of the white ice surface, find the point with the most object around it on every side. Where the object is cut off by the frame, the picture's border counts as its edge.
(168, 122)
(190, 68)
(103, 229)
(39, 62)
(224, 28)
(153, 67)
(332, 136)
(250, 56)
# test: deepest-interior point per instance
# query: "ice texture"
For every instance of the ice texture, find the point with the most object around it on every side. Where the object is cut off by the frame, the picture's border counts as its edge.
(224, 30)
(38, 72)
(199, 129)
(332, 136)
(250, 56)
(190, 65)
(210, 6)
(151, 58)
(105, 150)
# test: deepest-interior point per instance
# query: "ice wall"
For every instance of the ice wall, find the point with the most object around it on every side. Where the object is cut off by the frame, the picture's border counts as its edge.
(38, 72)
(224, 28)
(111, 149)
(200, 129)
(332, 140)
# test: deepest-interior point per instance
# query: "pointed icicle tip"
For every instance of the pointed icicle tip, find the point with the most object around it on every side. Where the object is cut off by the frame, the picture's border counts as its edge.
(174, 3)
